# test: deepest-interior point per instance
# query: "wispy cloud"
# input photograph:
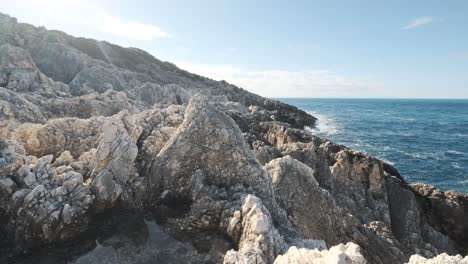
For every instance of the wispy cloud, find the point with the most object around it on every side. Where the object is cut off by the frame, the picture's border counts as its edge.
(129, 29)
(420, 21)
(282, 83)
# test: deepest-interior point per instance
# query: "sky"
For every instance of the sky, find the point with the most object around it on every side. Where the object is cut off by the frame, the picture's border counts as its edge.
(338, 49)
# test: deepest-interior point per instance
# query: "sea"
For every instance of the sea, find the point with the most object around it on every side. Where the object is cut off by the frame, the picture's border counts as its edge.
(425, 139)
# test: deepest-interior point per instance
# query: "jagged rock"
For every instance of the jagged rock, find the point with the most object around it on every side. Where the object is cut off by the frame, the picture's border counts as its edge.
(107, 190)
(12, 57)
(14, 110)
(410, 225)
(314, 212)
(264, 153)
(156, 141)
(7, 188)
(442, 258)
(359, 184)
(91, 130)
(12, 156)
(117, 152)
(8, 27)
(259, 241)
(115, 157)
(346, 254)
(19, 73)
(445, 211)
(208, 140)
(407, 231)
(100, 77)
(310, 209)
(56, 60)
(58, 135)
(100, 66)
(48, 207)
(151, 93)
(89, 105)
(65, 158)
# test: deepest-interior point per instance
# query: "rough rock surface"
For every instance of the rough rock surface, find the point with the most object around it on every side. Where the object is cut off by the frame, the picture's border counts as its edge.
(341, 253)
(442, 258)
(108, 155)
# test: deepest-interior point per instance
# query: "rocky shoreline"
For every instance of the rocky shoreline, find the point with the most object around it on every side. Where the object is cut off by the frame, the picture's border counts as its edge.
(108, 155)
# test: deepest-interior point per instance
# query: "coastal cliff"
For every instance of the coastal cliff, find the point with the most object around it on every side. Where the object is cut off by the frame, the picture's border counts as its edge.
(108, 155)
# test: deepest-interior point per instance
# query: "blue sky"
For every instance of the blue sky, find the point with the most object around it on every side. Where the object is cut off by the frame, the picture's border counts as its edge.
(402, 49)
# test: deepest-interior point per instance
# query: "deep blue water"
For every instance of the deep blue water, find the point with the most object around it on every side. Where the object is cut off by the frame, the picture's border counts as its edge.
(426, 140)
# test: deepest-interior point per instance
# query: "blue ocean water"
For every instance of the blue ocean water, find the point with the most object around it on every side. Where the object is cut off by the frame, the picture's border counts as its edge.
(426, 140)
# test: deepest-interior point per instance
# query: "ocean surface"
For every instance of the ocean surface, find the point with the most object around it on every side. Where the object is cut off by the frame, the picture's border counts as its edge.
(426, 140)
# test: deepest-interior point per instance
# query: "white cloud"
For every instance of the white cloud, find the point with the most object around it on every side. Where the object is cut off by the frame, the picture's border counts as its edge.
(130, 29)
(282, 83)
(420, 21)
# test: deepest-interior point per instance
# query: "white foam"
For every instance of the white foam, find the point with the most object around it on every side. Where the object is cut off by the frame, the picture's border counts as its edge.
(387, 148)
(454, 152)
(404, 119)
(324, 125)
(463, 182)
(386, 160)
(456, 165)
(424, 155)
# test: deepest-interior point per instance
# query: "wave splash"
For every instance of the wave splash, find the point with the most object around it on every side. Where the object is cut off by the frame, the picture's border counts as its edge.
(454, 152)
(325, 125)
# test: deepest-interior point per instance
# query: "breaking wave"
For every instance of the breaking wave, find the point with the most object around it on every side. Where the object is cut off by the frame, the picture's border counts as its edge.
(454, 152)
(325, 125)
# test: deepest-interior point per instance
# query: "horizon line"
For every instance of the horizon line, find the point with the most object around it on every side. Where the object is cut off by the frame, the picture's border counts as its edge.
(379, 98)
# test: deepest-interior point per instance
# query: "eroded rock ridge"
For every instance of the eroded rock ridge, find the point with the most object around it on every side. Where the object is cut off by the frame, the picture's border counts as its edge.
(93, 136)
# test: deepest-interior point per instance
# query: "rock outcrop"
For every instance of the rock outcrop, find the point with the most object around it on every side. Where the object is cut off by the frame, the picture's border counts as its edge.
(341, 253)
(442, 258)
(110, 155)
